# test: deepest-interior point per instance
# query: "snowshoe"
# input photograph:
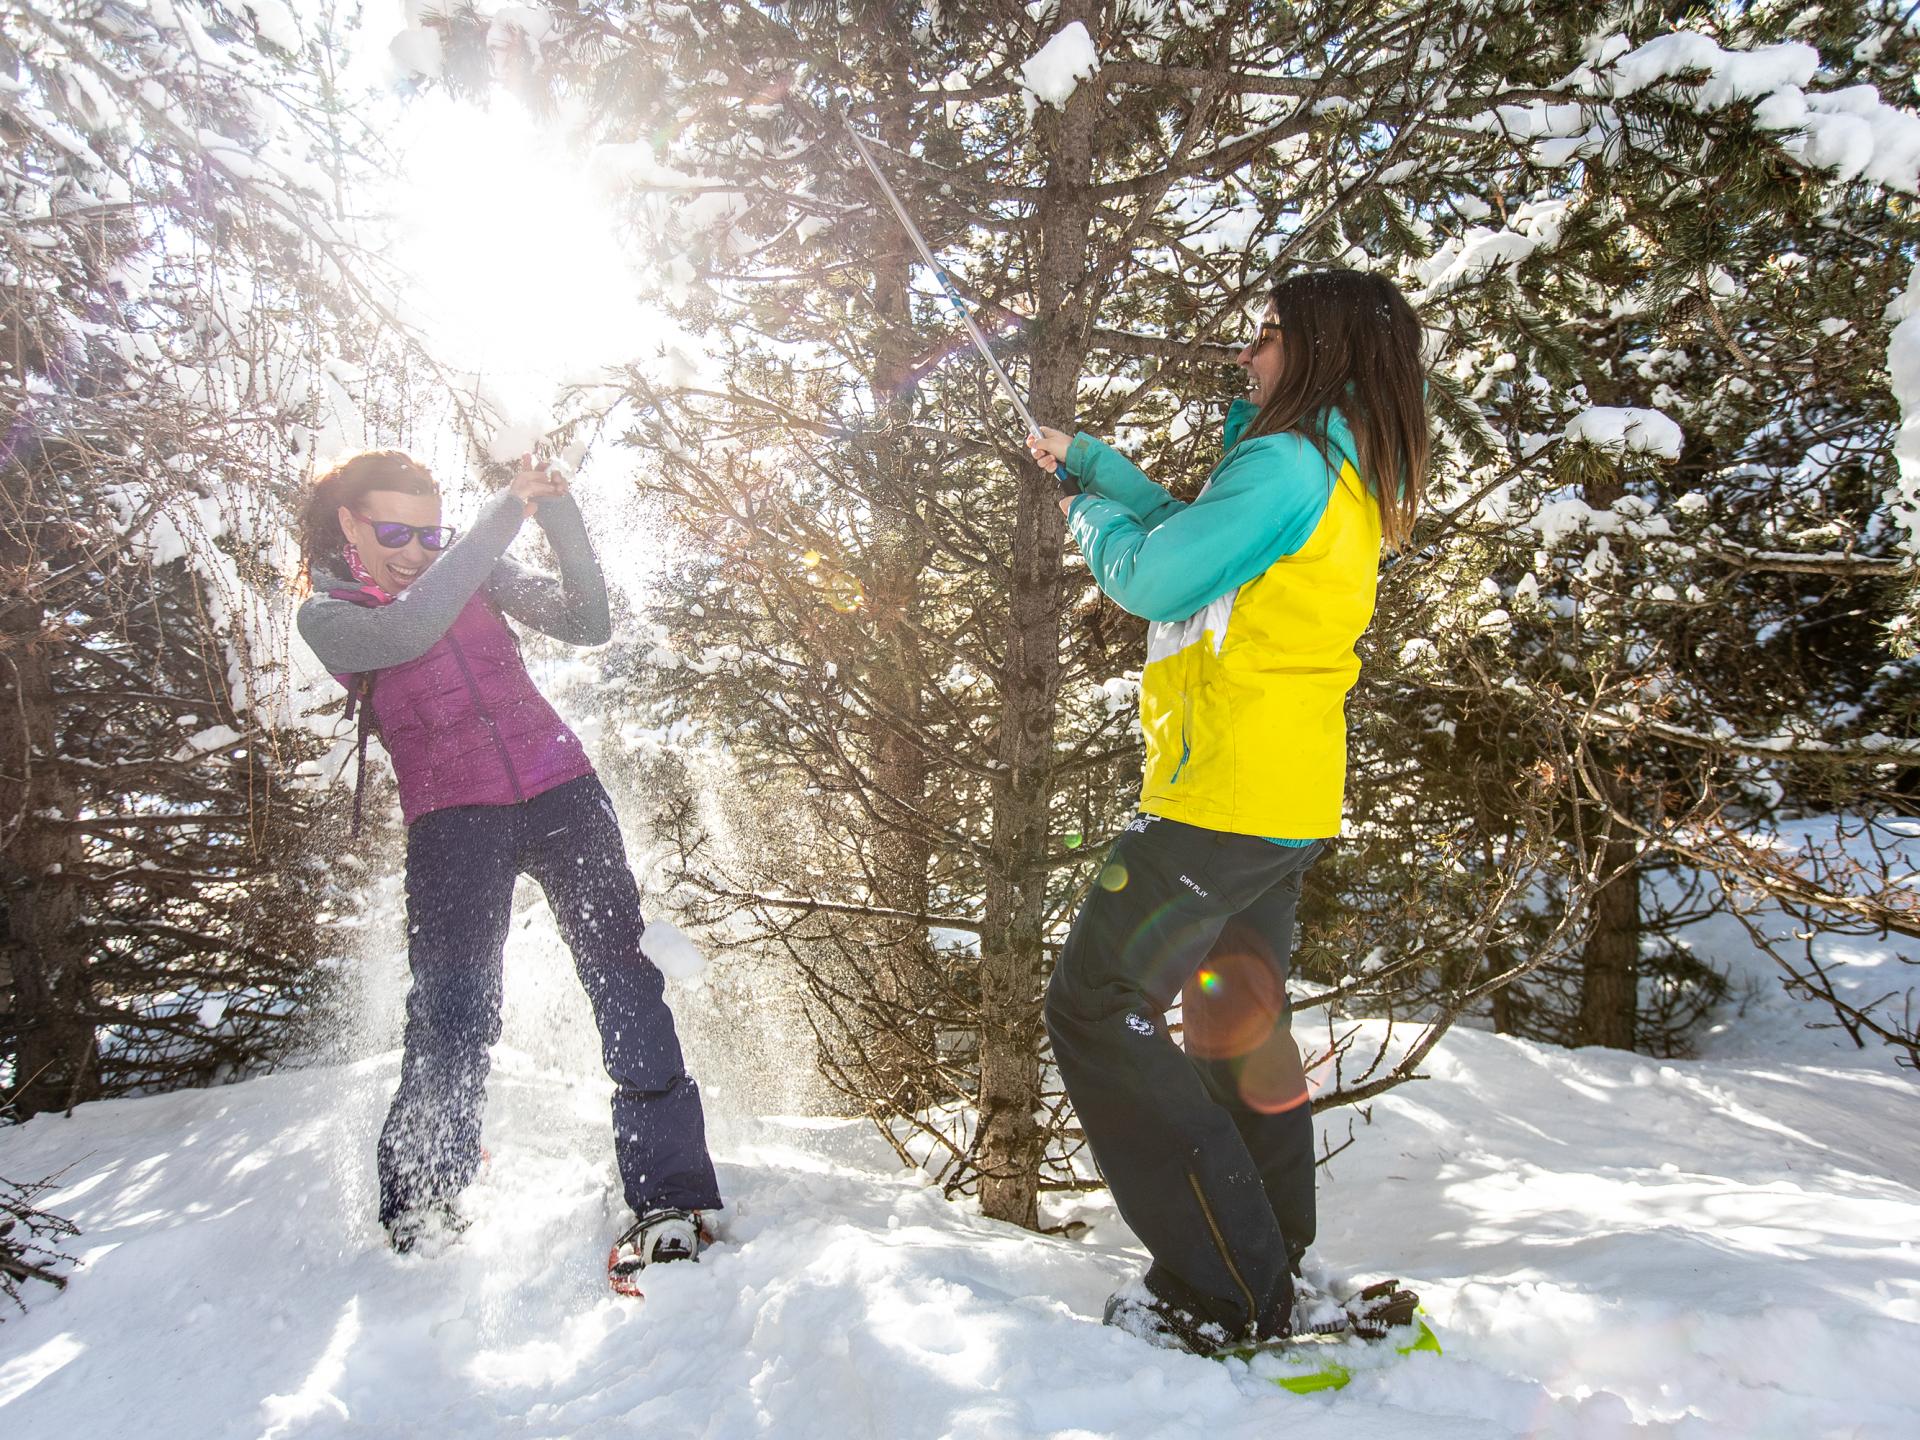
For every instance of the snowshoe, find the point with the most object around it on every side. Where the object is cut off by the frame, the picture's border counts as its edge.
(1306, 1355)
(1380, 1308)
(427, 1230)
(656, 1238)
(1370, 1315)
(1314, 1306)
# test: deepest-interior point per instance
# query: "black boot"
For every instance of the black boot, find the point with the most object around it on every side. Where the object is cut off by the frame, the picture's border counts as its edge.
(427, 1230)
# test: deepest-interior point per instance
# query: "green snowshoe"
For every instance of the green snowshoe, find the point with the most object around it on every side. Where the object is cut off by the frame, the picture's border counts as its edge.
(1315, 1357)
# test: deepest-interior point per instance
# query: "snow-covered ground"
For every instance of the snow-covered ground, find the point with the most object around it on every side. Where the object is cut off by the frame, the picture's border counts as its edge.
(1609, 1246)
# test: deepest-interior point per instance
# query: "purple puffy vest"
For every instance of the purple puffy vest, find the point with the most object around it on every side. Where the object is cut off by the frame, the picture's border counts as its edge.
(463, 723)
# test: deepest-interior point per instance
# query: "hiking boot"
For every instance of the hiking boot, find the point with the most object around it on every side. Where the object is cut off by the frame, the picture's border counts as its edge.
(1146, 1316)
(426, 1230)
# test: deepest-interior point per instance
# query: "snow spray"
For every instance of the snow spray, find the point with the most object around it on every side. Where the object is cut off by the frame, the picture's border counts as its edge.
(946, 285)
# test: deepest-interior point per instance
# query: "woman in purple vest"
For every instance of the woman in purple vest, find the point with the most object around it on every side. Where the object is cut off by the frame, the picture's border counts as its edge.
(494, 785)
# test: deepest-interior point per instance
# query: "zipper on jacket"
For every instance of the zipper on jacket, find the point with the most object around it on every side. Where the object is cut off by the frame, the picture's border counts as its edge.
(480, 708)
(1186, 730)
(1220, 1244)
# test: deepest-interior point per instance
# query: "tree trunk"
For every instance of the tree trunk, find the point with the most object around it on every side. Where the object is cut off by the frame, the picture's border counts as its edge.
(1503, 1010)
(1610, 960)
(1012, 956)
(901, 849)
(43, 966)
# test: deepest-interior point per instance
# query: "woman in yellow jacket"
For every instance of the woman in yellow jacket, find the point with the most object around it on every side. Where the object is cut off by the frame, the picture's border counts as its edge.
(1256, 593)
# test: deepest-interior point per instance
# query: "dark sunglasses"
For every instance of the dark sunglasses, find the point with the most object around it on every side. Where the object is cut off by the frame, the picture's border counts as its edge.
(393, 535)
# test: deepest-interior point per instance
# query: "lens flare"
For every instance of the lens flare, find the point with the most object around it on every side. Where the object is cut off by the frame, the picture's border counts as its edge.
(1073, 839)
(1271, 1080)
(1114, 877)
(844, 592)
(1235, 1002)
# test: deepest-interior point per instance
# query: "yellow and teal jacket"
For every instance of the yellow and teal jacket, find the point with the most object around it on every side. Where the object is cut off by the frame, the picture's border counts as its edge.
(1256, 593)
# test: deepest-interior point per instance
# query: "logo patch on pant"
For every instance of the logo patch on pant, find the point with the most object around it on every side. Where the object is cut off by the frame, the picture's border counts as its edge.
(1140, 1025)
(1187, 880)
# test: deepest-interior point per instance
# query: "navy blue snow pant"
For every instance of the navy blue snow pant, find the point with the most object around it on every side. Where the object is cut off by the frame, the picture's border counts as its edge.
(461, 867)
(1208, 1152)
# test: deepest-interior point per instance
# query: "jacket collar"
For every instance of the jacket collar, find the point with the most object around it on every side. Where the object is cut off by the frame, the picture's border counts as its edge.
(1241, 412)
(332, 582)
(1239, 415)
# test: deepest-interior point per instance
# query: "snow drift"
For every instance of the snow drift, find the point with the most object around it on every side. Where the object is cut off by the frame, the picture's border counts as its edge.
(1609, 1245)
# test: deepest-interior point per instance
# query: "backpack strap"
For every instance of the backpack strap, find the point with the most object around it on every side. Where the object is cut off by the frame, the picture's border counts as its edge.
(360, 702)
(361, 698)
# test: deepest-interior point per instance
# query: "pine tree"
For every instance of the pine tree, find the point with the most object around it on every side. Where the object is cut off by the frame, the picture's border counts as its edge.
(173, 287)
(926, 701)
(1701, 262)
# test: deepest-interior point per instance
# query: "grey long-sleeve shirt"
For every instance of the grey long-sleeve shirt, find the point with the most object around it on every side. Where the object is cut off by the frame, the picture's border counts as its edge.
(350, 638)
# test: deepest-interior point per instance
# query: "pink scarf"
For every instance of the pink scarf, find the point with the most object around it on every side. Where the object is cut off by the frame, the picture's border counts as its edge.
(352, 555)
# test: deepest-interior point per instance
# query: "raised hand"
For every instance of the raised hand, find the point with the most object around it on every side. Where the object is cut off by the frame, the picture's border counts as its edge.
(537, 480)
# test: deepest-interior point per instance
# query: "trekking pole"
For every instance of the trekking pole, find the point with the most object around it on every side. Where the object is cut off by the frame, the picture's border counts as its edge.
(946, 285)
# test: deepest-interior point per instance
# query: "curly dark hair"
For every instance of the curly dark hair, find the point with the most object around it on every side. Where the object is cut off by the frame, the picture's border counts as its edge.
(348, 482)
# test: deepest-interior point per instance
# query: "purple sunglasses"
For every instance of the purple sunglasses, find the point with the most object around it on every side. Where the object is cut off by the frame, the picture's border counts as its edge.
(394, 535)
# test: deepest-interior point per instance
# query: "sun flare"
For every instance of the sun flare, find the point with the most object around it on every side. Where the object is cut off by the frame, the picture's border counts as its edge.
(514, 255)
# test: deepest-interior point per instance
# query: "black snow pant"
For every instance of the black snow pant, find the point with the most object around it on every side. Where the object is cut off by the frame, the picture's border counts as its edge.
(461, 867)
(1208, 1153)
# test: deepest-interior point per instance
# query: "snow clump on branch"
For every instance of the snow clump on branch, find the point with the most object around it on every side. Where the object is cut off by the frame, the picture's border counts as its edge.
(1625, 428)
(1851, 133)
(1536, 226)
(1062, 63)
(417, 51)
(277, 24)
(1731, 74)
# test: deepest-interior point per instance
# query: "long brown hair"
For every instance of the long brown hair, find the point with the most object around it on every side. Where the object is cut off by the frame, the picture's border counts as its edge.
(1351, 341)
(348, 482)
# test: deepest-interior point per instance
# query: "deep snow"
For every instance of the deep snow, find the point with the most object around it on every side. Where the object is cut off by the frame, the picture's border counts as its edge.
(1609, 1246)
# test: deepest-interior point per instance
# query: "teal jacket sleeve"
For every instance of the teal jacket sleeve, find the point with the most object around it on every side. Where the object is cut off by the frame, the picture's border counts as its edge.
(1166, 561)
(1104, 471)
